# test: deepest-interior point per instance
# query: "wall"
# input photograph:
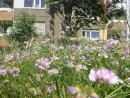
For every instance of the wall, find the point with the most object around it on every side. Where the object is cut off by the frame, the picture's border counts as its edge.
(18, 3)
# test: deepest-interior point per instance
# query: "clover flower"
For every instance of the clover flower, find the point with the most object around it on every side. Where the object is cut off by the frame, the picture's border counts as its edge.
(14, 71)
(126, 70)
(53, 71)
(3, 71)
(72, 90)
(79, 67)
(8, 57)
(103, 75)
(70, 64)
(54, 58)
(54, 47)
(51, 89)
(106, 2)
(35, 91)
(43, 63)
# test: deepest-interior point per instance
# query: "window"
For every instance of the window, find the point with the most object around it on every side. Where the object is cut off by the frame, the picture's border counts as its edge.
(6, 3)
(28, 3)
(34, 3)
(91, 34)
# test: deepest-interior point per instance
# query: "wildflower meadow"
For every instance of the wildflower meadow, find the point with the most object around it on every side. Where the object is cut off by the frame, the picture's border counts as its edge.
(47, 70)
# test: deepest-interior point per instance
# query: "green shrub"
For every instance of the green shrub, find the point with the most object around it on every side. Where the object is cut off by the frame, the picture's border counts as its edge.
(24, 28)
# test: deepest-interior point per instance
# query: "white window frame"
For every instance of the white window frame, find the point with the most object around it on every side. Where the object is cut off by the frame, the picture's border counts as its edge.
(91, 34)
(34, 5)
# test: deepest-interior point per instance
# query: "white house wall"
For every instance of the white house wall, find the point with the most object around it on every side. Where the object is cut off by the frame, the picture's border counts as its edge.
(18, 3)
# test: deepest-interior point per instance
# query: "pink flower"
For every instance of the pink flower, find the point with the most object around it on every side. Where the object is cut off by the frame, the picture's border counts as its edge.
(3, 71)
(51, 89)
(103, 75)
(35, 92)
(14, 71)
(43, 63)
(8, 57)
(107, 2)
(79, 67)
(71, 64)
(53, 47)
(73, 90)
(53, 71)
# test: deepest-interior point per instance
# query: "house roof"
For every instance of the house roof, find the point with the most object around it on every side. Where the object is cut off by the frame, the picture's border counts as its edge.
(6, 15)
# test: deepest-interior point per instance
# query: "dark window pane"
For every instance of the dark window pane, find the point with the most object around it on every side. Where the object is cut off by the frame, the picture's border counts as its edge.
(37, 3)
(95, 35)
(42, 3)
(88, 34)
(28, 3)
(83, 33)
(1, 3)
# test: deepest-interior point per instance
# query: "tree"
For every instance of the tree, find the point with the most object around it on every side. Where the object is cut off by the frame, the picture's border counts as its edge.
(78, 13)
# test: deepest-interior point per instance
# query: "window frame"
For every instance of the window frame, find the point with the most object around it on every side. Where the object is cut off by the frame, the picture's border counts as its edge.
(34, 5)
(90, 35)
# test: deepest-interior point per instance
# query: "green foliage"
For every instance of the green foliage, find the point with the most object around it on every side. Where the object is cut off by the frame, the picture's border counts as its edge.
(78, 13)
(24, 28)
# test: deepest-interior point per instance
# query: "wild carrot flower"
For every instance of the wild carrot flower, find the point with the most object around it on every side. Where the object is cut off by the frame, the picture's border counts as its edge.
(53, 71)
(8, 57)
(43, 63)
(103, 75)
(51, 89)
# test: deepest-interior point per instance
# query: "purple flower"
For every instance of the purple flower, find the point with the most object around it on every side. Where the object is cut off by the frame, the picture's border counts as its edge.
(128, 79)
(127, 70)
(71, 64)
(35, 92)
(51, 89)
(8, 57)
(14, 71)
(72, 90)
(53, 47)
(109, 9)
(103, 75)
(54, 58)
(43, 63)
(106, 2)
(125, 50)
(94, 95)
(79, 67)
(53, 71)
(3, 71)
